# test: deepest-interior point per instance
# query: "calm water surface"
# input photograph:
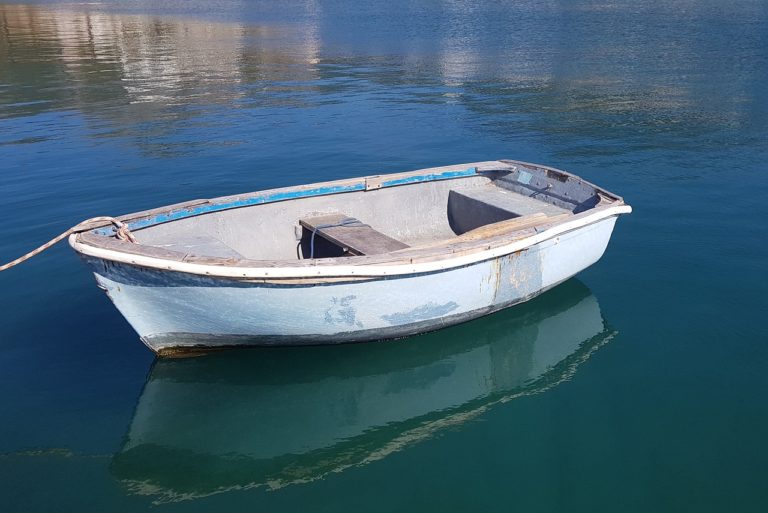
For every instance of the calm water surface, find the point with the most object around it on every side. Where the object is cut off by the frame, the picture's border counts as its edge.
(639, 386)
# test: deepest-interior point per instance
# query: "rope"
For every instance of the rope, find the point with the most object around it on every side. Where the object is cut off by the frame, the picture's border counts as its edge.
(122, 233)
(346, 222)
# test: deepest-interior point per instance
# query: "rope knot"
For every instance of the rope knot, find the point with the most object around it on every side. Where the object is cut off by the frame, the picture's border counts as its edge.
(122, 232)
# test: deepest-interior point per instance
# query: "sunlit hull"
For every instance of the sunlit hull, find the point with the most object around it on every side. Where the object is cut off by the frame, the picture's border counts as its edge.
(459, 263)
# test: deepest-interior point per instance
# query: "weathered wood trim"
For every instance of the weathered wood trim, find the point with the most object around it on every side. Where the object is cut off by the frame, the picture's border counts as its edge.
(426, 175)
(408, 261)
(511, 225)
(147, 218)
(442, 255)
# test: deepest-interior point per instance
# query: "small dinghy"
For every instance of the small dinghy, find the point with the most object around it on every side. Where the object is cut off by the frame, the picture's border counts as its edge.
(354, 260)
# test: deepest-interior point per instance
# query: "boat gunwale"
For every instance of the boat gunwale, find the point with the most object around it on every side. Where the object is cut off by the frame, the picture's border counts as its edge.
(440, 258)
(435, 256)
(198, 207)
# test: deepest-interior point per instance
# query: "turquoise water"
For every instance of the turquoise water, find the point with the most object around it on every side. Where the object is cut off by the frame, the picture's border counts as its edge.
(639, 386)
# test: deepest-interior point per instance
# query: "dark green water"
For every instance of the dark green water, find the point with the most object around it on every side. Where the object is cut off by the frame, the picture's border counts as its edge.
(639, 386)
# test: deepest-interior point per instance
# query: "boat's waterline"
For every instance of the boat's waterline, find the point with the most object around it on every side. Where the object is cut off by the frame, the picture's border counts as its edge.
(360, 270)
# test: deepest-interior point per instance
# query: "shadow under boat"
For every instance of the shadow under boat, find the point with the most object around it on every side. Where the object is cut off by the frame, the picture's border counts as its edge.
(278, 416)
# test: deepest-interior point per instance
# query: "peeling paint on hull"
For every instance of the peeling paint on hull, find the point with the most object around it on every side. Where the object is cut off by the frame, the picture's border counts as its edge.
(175, 311)
(170, 344)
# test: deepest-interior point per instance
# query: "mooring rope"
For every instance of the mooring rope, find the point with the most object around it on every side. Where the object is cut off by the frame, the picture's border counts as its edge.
(122, 233)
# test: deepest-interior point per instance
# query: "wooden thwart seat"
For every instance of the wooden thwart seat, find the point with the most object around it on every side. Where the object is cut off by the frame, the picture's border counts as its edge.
(352, 235)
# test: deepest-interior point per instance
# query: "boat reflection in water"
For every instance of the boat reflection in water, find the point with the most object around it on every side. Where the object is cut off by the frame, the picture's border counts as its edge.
(274, 417)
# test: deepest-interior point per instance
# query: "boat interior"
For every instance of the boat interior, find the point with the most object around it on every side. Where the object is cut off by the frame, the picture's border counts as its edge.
(383, 220)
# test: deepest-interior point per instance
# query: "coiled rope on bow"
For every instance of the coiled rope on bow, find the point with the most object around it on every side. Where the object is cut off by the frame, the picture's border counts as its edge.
(122, 233)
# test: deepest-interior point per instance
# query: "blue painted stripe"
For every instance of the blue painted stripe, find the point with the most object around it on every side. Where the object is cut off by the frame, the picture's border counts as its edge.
(255, 200)
(175, 215)
(432, 177)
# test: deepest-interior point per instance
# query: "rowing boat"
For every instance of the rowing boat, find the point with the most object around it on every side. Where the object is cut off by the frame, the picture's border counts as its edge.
(362, 259)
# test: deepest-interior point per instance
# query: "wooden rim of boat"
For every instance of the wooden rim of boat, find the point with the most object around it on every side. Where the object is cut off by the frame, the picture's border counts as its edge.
(485, 243)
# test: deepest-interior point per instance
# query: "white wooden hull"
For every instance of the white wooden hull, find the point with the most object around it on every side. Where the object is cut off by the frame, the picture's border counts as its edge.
(174, 311)
(435, 247)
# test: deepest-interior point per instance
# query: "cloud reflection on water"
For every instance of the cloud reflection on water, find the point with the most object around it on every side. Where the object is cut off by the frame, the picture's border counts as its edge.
(599, 78)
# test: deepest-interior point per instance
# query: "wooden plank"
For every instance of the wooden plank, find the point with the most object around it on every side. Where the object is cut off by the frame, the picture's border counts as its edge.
(489, 231)
(511, 225)
(354, 236)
